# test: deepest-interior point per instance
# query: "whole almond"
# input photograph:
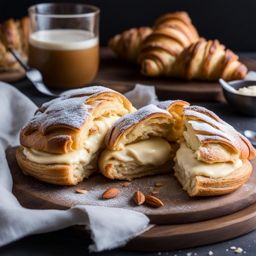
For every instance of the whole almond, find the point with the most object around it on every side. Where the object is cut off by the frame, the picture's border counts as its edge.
(110, 193)
(153, 201)
(138, 198)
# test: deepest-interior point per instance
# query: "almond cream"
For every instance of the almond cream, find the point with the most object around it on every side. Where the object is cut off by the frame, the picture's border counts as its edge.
(83, 155)
(153, 151)
(187, 161)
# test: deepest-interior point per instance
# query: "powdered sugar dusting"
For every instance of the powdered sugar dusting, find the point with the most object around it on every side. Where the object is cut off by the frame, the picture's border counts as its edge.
(87, 92)
(71, 113)
(69, 110)
(209, 128)
(128, 120)
(168, 103)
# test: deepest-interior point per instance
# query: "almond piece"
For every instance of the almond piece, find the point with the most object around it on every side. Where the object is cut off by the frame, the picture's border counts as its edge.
(153, 201)
(126, 184)
(110, 193)
(81, 191)
(158, 184)
(138, 198)
(154, 192)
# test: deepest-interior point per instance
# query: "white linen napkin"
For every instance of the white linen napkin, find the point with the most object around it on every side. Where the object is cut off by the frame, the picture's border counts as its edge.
(110, 227)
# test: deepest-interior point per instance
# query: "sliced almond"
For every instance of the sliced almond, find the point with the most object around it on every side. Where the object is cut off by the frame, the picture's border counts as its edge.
(154, 192)
(110, 193)
(81, 191)
(153, 201)
(93, 130)
(138, 198)
(159, 184)
(126, 184)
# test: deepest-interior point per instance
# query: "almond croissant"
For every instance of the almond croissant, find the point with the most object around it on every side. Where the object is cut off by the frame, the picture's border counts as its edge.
(127, 44)
(13, 34)
(208, 60)
(172, 33)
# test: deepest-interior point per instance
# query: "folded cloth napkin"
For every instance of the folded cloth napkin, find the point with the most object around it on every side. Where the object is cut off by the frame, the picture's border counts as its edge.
(110, 227)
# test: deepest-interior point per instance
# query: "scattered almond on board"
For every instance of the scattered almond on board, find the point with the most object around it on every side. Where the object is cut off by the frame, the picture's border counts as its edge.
(81, 191)
(110, 193)
(138, 198)
(126, 184)
(159, 184)
(153, 201)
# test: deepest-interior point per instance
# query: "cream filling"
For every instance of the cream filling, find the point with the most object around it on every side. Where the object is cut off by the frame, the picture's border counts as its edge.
(40, 157)
(187, 161)
(153, 151)
(91, 145)
(95, 141)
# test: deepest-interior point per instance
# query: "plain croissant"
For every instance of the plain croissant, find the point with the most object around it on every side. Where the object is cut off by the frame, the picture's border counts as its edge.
(127, 44)
(172, 33)
(13, 34)
(208, 60)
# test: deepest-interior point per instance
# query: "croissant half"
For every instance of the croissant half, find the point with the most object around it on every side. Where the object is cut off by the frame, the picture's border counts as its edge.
(62, 142)
(213, 157)
(138, 145)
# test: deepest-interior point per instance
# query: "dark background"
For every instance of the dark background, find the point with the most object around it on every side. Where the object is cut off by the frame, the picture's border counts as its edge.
(233, 22)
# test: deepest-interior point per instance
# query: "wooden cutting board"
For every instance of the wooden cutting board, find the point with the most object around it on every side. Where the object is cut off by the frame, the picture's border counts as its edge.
(115, 72)
(191, 222)
(178, 208)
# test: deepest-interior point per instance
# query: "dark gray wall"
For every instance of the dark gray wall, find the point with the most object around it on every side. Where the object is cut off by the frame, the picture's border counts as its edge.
(233, 22)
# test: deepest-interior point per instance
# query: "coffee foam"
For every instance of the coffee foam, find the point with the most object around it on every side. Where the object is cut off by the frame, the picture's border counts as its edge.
(63, 39)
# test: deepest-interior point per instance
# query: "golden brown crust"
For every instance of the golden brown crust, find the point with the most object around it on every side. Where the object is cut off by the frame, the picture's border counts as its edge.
(214, 187)
(117, 135)
(60, 125)
(127, 44)
(208, 60)
(210, 129)
(52, 173)
(176, 109)
(179, 20)
(173, 32)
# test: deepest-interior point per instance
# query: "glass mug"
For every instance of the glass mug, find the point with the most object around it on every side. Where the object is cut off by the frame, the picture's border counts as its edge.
(64, 43)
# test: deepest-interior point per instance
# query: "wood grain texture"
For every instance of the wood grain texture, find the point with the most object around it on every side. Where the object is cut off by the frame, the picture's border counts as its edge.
(119, 74)
(174, 237)
(178, 207)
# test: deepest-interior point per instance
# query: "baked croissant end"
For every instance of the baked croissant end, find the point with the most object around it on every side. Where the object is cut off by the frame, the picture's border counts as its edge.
(213, 158)
(208, 60)
(139, 144)
(61, 143)
(127, 44)
(172, 33)
(13, 34)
